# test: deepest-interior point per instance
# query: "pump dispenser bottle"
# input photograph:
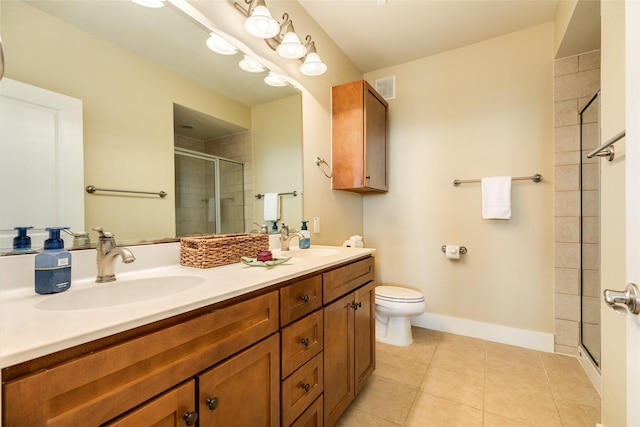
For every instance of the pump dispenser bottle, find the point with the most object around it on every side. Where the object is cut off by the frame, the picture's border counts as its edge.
(306, 242)
(22, 242)
(53, 265)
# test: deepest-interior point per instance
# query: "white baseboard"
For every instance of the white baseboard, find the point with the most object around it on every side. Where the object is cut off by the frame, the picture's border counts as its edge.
(487, 331)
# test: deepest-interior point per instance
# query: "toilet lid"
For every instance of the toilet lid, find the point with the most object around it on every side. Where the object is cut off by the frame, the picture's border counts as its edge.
(395, 293)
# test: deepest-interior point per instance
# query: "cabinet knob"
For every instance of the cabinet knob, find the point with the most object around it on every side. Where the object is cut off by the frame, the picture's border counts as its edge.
(356, 305)
(305, 298)
(367, 177)
(212, 402)
(190, 418)
(305, 342)
(305, 386)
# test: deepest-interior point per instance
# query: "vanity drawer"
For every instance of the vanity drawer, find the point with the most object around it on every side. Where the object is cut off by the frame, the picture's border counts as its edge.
(301, 341)
(300, 299)
(96, 387)
(312, 417)
(344, 279)
(301, 389)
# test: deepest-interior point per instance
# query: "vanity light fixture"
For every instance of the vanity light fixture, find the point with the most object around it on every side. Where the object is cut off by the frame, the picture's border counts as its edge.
(273, 79)
(251, 65)
(290, 46)
(259, 22)
(313, 65)
(284, 40)
(220, 45)
(150, 3)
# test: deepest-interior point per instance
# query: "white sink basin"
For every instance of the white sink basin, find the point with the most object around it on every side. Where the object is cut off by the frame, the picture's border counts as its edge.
(119, 292)
(305, 253)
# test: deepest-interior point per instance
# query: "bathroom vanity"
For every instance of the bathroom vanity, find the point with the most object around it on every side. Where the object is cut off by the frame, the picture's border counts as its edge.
(290, 345)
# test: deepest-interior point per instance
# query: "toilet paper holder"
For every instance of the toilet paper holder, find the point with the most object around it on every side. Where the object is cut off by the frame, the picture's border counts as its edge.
(463, 249)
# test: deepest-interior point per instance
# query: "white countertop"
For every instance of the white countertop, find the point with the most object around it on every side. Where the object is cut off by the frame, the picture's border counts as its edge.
(27, 332)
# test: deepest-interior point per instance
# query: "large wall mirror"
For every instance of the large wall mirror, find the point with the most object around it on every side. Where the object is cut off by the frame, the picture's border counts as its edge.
(150, 88)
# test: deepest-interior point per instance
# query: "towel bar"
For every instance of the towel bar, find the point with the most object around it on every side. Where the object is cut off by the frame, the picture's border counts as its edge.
(535, 178)
(293, 193)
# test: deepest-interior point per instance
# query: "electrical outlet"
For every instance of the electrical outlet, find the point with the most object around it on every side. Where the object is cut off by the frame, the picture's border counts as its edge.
(316, 225)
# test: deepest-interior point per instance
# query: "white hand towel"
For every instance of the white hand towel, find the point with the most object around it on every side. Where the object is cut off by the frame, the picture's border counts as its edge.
(496, 197)
(271, 206)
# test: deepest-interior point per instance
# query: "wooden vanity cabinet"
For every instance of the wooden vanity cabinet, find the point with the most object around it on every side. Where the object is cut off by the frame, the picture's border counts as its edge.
(349, 337)
(359, 138)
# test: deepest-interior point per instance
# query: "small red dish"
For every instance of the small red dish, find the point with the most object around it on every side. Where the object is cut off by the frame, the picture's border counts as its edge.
(264, 256)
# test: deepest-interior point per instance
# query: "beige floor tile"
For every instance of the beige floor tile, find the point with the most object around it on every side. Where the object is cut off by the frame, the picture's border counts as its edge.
(386, 399)
(433, 411)
(458, 387)
(409, 373)
(512, 401)
(421, 352)
(493, 420)
(355, 417)
(427, 336)
(513, 354)
(503, 373)
(455, 357)
(576, 415)
(568, 380)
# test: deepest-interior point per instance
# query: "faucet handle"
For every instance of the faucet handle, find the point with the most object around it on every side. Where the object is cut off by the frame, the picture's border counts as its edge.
(103, 234)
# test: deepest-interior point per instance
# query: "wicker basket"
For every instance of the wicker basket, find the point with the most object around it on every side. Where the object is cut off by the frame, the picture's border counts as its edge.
(213, 250)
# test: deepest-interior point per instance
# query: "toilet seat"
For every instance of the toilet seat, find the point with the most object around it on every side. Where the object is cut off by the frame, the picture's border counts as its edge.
(397, 294)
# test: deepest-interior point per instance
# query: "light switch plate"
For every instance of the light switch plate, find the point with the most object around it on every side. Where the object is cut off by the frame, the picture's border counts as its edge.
(316, 225)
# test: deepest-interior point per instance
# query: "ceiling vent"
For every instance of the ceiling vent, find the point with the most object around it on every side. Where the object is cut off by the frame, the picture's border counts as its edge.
(386, 87)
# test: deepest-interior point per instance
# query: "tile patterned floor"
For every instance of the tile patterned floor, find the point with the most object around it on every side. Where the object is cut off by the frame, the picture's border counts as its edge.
(450, 380)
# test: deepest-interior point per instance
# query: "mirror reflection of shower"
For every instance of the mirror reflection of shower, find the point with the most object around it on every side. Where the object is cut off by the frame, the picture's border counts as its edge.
(209, 194)
(213, 182)
(590, 296)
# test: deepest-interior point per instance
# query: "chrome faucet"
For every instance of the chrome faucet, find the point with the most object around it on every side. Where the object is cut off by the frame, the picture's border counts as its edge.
(285, 237)
(106, 256)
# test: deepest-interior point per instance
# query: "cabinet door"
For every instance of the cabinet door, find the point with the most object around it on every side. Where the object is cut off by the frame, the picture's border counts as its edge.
(174, 408)
(364, 334)
(375, 145)
(338, 358)
(244, 390)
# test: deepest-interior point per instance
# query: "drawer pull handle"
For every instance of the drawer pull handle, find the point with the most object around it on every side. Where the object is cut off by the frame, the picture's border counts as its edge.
(190, 418)
(356, 305)
(212, 403)
(305, 298)
(305, 387)
(305, 342)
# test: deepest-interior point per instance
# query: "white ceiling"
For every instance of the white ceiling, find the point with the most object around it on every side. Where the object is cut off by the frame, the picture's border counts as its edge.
(377, 36)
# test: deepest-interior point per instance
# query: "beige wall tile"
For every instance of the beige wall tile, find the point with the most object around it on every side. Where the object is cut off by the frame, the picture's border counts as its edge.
(578, 85)
(567, 229)
(589, 61)
(567, 177)
(567, 281)
(567, 203)
(567, 255)
(566, 138)
(566, 112)
(566, 66)
(567, 333)
(567, 307)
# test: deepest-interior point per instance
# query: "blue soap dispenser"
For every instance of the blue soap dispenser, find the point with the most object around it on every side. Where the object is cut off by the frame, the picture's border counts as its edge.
(53, 264)
(22, 242)
(306, 242)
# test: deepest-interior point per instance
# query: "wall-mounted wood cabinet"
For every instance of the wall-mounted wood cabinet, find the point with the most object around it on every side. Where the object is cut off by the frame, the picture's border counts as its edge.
(359, 138)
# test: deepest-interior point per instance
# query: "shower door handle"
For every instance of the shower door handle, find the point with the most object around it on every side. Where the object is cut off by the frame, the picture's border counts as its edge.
(617, 300)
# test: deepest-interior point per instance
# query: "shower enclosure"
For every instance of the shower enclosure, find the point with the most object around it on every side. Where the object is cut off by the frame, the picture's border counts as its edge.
(209, 194)
(590, 295)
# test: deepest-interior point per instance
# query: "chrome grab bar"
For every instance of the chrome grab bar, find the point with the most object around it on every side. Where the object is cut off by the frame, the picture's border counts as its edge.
(92, 189)
(609, 154)
(535, 178)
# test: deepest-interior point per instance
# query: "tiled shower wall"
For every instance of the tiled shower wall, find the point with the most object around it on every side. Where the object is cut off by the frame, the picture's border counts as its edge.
(236, 147)
(576, 80)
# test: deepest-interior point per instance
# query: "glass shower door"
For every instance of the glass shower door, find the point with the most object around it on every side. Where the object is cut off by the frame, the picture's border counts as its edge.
(590, 297)
(209, 194)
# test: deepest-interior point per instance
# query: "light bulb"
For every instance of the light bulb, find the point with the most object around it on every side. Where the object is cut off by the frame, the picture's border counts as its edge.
(261, 23)
(220, 45)
(313, 65)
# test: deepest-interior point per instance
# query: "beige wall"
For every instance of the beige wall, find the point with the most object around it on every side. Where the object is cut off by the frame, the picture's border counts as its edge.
(481, 110)
(277, 127)
(613, 213)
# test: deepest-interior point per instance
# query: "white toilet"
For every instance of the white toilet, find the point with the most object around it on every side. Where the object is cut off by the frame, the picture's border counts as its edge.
(395, 306)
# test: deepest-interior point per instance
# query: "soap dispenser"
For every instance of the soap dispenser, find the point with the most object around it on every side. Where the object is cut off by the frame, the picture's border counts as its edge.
(306, 242)
(53, 265)
(22, 242)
